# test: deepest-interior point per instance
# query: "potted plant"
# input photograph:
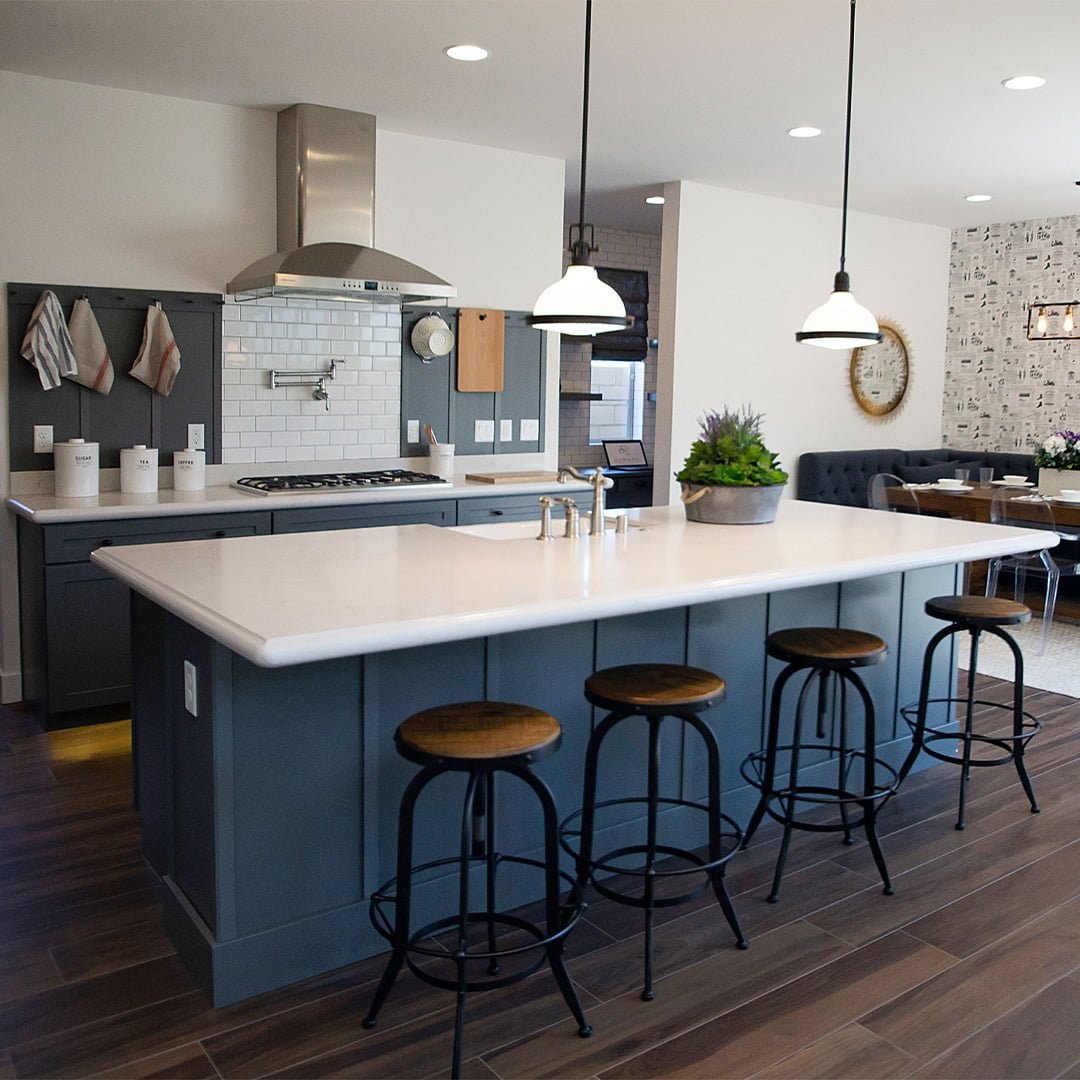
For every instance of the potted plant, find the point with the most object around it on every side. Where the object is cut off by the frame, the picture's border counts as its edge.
(730, 477)
(1058, 458)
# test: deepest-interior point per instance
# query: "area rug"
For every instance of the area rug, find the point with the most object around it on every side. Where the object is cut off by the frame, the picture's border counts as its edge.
(1057, 670)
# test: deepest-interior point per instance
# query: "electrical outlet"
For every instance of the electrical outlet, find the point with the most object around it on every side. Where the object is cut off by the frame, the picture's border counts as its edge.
(412, 431)
(484, 431)
(191, 687)
(506, 430)
(196, 440)
(43, 439)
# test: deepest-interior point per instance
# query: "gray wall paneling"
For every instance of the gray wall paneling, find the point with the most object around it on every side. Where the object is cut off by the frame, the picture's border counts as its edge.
(131, 413)
(428, 392)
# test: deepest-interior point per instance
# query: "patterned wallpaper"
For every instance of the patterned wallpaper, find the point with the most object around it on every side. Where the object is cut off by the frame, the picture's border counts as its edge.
(1003, 392)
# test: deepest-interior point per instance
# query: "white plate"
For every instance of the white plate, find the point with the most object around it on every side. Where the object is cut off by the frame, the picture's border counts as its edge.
(1066, 502)
(952, 487)
(1009, 483)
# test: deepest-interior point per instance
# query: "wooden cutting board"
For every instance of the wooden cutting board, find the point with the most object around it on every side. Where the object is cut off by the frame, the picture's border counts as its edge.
(480, 336)
(510, 477)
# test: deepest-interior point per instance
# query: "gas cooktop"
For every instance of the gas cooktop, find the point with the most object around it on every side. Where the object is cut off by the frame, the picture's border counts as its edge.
(325, 482)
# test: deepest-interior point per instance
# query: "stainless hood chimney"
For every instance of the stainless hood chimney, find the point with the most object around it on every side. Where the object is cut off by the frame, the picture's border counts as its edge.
(326, 218)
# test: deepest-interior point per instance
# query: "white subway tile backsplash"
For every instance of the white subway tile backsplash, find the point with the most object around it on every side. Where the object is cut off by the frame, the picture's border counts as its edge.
(237, 457)
(260, 424)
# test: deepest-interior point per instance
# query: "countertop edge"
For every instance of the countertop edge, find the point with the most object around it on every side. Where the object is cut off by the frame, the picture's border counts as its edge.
(224, 499)
(285, 650)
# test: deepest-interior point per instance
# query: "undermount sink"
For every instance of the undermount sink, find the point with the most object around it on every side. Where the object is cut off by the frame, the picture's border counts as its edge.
(530, 530)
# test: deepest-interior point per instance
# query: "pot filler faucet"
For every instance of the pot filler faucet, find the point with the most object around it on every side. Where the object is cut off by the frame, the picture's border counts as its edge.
(600, 483)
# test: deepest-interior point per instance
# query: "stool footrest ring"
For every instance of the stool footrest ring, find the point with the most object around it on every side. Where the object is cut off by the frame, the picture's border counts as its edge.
(385, 897)
(1004, 742)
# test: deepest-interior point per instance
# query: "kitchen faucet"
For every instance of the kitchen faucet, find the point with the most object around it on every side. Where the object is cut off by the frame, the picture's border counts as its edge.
(320, 393)
(600, 483)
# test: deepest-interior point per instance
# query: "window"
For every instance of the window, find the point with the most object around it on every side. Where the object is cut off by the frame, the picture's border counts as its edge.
(620, 414)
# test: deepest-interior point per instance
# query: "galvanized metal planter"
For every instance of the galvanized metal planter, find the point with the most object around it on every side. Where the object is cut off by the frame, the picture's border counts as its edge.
(716, 505)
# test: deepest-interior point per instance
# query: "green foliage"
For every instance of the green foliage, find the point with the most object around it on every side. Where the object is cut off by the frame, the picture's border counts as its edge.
(731, 453)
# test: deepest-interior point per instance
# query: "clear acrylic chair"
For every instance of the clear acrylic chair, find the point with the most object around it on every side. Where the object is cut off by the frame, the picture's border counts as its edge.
(878, 495)
(1031, 512)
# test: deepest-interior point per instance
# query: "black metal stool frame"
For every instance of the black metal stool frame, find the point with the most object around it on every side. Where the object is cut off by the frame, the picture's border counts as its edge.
(759, 768)
(560, 918)
(1024, 723)
(712, 867)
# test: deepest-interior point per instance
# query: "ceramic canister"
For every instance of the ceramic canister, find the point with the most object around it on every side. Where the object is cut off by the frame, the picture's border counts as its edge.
(189, 470)
(76, 464)
(138, 470)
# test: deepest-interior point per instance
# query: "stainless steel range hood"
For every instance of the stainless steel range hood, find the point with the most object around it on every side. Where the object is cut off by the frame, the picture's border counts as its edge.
(326, 218)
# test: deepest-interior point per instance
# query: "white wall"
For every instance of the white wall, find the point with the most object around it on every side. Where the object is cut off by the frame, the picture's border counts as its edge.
(115, 188)
(740, 273)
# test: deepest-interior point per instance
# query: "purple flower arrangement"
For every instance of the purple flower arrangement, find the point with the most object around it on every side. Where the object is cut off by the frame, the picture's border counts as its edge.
(1061, 450)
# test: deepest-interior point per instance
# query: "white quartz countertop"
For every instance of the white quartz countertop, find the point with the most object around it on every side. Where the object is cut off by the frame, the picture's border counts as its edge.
(222, 499)
(290, 599)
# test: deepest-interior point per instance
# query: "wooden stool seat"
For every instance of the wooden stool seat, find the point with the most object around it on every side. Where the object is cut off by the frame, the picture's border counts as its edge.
(978, 610)
(474, 732)
(654, 688)
(826, 645)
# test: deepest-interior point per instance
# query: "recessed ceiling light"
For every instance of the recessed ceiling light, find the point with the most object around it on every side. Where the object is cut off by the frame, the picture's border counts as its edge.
(978, 198)
(469, 53)
(655, 200)
(1023, 82)
(804, 132)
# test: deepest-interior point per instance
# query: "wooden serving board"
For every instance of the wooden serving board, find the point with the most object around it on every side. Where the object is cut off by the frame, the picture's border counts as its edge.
(510, 477)
(480, 336)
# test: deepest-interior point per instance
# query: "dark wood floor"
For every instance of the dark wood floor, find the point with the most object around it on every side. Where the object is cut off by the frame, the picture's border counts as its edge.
(971, 970)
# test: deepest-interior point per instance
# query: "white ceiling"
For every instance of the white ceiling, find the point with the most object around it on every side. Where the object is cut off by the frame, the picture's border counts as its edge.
(682, 89)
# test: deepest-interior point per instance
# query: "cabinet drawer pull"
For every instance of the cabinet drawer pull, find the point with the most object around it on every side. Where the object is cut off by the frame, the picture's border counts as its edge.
(221, 533)
(497, 513)
(105, 543)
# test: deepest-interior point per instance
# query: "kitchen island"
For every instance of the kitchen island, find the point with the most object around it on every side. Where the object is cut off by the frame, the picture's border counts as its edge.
(271, 671)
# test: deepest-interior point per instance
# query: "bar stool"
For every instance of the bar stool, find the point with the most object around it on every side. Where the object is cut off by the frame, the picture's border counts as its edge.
(976, 615)
(828, 656)
(479, 739)
(654, 692)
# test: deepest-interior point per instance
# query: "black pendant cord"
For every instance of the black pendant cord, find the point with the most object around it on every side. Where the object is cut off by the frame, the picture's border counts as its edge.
(580, 249)
(847, 147)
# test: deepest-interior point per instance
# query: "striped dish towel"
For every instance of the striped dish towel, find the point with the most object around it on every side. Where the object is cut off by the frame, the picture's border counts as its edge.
(95, 364)
(47, 344)
(158, 362)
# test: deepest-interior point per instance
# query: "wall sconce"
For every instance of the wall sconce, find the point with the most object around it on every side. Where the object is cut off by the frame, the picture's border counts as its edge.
(1053, 320)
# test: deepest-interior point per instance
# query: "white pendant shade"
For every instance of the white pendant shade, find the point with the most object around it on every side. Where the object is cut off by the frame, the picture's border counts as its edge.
(575, 303)
(841, 315)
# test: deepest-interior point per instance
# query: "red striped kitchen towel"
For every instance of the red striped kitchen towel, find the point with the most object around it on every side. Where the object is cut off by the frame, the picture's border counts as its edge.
(158, 362)
(95, 364)
(47, 343)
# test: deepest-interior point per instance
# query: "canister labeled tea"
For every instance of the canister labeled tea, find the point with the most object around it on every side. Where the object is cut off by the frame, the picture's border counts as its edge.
(138, 470)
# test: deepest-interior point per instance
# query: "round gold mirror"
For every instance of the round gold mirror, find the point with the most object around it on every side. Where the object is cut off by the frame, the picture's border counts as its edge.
(879, 373)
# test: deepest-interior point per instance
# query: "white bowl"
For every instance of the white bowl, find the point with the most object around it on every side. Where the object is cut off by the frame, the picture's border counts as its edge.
(950, 482)
(1070, 493)
(1014, 479)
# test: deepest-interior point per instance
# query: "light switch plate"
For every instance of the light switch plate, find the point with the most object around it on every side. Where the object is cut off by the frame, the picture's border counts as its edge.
(484, 431)
(43, 439)
(196, 438)
(191, 685)
(412, 431)
(530, 430)
(506, 430)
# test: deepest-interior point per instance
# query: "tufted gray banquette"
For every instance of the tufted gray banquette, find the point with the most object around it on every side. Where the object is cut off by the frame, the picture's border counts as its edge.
(841, 476)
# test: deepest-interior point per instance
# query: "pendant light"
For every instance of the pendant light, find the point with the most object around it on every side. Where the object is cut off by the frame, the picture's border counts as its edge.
(579, 303)
(841, 322)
